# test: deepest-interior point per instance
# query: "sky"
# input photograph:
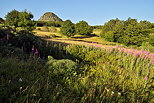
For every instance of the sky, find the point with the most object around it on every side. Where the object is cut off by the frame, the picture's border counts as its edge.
(95, 12)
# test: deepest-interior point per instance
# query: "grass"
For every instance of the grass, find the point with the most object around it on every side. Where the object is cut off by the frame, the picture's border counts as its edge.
(97, 31)
(100, 75)
(77, 39)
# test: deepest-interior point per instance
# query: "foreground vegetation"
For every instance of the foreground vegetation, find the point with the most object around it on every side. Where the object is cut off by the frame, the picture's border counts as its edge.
(96, 75)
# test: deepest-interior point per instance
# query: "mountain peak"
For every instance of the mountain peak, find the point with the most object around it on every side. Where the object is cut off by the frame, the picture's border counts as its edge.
(49, 16)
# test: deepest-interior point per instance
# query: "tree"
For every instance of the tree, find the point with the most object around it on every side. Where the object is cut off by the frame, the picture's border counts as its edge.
(68, 28)
(23, 19)
(109, 26)
(12, 18)
(82, 28)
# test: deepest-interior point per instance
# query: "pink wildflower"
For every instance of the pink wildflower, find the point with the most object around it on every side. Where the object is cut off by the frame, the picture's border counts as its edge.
(152, 60)
(32, 48)
(145, 78)
(36, 52)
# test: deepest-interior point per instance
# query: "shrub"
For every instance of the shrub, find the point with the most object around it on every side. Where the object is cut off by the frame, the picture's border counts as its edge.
(109, 36)
(64, 67)
(82, 28)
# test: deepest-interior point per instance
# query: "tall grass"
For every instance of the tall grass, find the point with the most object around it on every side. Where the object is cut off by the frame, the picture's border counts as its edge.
(96, 75)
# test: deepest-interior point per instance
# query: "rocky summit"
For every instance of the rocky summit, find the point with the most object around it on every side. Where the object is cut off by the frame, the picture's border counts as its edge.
(49, 16)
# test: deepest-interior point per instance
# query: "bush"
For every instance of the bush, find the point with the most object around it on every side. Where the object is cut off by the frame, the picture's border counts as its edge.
(82, 28)
(63, 67)
(109, 36)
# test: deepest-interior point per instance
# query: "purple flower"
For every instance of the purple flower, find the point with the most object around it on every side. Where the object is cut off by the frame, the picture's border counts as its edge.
(151, 55)
(136, 54)
(33, 48)
(152, 60)
(97, 45)
(129, 52)
(1, 39)
(36, 52)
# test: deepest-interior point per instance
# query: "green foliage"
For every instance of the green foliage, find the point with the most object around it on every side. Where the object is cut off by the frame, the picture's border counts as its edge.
(147, 46)
(28, 44)
(128, 32)
(12, 18)
(79, 52)
(151, 39)
(103, 75)
(25, 21)
(109, 26)
(20, 19)
(64, 67)
(68, 28)
(109, 36)
(82, 28)
(26, 40)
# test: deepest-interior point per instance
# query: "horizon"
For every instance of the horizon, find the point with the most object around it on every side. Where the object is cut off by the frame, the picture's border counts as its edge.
(95, 12)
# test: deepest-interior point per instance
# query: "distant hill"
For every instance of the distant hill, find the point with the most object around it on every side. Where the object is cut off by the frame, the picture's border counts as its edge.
(49, 16)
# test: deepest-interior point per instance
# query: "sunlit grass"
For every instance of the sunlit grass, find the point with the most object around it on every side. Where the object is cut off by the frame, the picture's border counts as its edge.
(77, 39)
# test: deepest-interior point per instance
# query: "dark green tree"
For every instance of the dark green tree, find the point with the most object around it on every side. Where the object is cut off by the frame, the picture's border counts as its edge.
(82, 28)
(12, 19)
(68, 28)
(23, 19)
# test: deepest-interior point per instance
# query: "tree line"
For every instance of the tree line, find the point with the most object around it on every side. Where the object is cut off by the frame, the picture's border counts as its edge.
(81, 28)
(129, 32)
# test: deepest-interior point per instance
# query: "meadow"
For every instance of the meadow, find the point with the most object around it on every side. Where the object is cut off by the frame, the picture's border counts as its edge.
(80, 73)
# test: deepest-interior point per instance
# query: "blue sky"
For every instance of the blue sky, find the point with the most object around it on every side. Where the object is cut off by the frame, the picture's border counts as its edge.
(95, 12)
